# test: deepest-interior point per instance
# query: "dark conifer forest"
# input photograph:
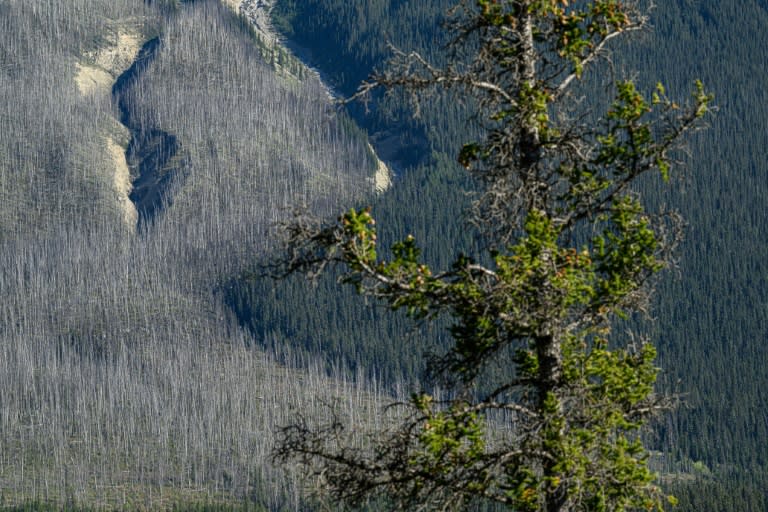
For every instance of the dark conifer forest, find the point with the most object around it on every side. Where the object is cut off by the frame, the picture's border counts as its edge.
(709, 319)
(150, 150)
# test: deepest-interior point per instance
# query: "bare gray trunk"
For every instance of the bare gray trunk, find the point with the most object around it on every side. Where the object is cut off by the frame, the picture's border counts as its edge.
(529, 149)
(549, 353)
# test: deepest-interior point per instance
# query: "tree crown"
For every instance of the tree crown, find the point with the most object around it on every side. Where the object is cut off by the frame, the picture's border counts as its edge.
(571, 247)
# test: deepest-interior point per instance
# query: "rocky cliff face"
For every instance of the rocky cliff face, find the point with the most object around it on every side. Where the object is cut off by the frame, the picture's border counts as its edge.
(96, 74)
(258, 13)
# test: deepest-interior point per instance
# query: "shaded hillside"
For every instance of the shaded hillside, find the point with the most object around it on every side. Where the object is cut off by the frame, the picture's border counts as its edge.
(711, 317)
(713, 320)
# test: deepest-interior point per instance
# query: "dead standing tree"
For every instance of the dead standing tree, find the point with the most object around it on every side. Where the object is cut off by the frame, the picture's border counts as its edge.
(572, 249)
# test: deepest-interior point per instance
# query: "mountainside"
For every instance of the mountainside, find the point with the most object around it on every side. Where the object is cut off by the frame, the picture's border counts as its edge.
(710, 317)
(147, 151)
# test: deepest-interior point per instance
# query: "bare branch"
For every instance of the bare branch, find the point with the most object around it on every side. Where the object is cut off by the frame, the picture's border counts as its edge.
(593, 55)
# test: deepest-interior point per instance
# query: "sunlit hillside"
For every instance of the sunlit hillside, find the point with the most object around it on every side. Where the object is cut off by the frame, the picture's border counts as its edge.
(147, 150)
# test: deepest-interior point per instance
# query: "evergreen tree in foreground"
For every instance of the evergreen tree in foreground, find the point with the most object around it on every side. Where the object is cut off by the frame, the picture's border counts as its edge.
(545, 405)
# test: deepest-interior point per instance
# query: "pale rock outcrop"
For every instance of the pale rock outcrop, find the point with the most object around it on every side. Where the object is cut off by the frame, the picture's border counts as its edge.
(95, 75)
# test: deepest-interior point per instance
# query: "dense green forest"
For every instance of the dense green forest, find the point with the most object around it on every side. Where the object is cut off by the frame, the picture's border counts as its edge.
(144, 366)
(710, 316)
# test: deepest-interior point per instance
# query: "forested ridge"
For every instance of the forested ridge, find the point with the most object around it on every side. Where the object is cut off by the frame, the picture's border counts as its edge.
(710, 315)
(146, 364)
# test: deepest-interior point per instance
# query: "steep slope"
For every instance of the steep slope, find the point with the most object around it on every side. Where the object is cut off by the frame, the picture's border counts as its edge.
(54, 147)
(291, 59)
(127, 383)
(95, 77)
(711, 316)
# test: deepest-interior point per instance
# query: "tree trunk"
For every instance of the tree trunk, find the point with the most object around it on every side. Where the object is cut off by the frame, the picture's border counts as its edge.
(529, 141)
(549, 353)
